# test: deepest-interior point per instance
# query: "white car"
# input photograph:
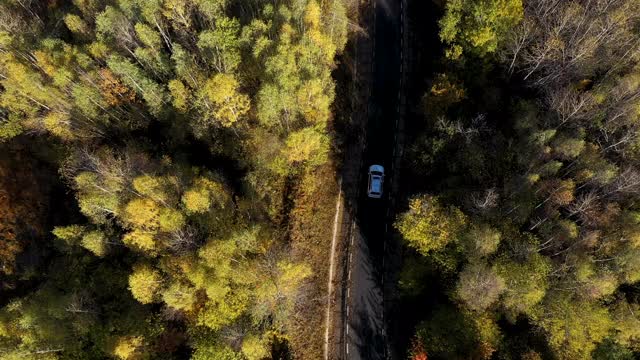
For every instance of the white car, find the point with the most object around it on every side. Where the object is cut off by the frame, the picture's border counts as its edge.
(376, 180)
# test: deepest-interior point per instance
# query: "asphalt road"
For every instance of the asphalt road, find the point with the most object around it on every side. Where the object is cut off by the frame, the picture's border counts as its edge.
(365, 337)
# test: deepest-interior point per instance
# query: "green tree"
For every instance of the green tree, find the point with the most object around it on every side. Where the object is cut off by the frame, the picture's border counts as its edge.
(525, 282)
(180, 94)
(76, 25)
(627, 324)
(212, 9)
(153, 93)
(71, 234)
(171, 220)
(568, 148)
(452, 334)
(277, 98)
(148, 36)
(10, 127)
(98, 201)
(610, 350)
(574, 327)
(223, 43)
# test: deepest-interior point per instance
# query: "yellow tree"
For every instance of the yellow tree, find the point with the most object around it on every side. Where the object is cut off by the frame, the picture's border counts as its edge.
(77, 25)
(143, 214)
(180, 94)
(229, 105)
(428, 225)
(308, 146)
(181, 296)
(129, 348)
(255, 348)
(96, 242)
(203, 194)
(145, 283)
(315, 100)
(574, 326)
(279, 289)
(154, 187)
(477, 27)
(142, 240)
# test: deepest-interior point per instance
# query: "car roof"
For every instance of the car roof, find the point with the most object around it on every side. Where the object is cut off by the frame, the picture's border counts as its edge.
(376, 184)
(379, 168)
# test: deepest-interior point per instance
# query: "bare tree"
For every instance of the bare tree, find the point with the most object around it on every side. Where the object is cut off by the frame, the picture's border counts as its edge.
(81, 303)
(183, 240)
(486, 200)
(478, 124)
(583, 203)
(569, 104)
(562, 41)
(113, 167)
(627, 183)
(518, 39)
(617, 141)
(479, 286)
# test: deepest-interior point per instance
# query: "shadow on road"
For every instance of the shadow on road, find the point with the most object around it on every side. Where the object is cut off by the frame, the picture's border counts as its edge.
(365, 318)
(368, 340)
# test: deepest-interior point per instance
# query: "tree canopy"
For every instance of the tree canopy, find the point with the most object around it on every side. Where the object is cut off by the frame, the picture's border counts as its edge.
(524, 181)
(166, 239)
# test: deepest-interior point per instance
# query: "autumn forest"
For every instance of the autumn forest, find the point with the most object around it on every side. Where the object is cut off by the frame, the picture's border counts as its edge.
(174, 179)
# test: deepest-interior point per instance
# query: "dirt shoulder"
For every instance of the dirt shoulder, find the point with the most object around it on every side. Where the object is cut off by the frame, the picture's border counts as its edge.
(315, 203)
(353, 102)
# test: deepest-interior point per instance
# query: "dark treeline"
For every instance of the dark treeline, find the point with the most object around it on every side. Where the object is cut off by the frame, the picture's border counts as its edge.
(187, 136)
(525, 178)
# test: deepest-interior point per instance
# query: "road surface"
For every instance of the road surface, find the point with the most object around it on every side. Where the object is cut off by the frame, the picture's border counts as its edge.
(364, 316)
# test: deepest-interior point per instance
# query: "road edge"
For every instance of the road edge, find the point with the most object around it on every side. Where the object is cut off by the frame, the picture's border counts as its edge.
(392, 247)
(330, 300)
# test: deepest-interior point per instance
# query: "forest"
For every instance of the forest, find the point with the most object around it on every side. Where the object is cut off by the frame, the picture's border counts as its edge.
(159, 188)
(522, 182)
(169, 173)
